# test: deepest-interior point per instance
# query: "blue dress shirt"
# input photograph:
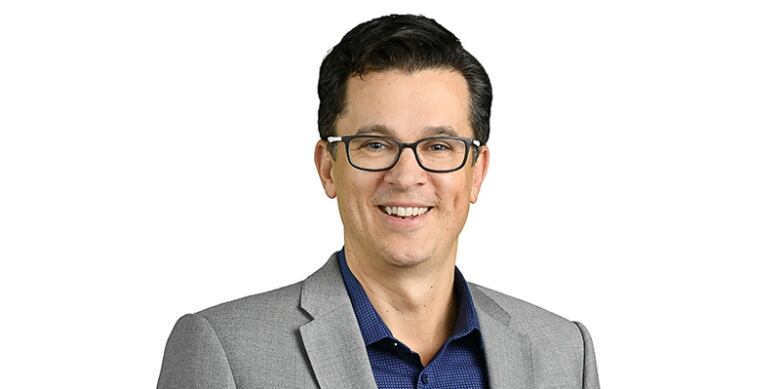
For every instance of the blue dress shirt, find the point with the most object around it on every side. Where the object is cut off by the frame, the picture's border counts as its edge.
(459, 363)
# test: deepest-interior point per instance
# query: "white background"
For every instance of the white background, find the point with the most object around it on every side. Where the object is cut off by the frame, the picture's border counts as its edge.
(633, 186)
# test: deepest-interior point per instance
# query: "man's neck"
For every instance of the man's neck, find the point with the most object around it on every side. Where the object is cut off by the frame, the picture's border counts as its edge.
(417, 303)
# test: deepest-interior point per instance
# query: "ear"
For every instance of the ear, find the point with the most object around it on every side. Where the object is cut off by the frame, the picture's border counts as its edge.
(479, 171)
(324, 162)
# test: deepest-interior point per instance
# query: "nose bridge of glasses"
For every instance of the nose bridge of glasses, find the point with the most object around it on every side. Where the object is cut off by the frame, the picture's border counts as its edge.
(411, 154)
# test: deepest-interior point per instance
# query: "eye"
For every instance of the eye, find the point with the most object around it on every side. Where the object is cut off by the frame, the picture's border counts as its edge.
(374, 146)
(440, 147)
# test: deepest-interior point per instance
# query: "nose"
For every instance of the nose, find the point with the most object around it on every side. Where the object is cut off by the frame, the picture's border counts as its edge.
(406, 172)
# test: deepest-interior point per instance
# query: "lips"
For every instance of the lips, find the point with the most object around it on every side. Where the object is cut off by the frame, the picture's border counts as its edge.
(404, 211)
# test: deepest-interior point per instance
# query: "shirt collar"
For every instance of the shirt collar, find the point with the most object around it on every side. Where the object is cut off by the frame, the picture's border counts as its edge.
(374, 329)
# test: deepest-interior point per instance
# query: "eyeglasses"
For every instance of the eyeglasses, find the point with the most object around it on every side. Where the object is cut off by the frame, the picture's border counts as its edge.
(439, 154)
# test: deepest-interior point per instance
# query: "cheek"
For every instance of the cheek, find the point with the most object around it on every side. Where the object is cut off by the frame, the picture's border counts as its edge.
(354, 193)
(350, 196)
(347, 183)
(455, 195)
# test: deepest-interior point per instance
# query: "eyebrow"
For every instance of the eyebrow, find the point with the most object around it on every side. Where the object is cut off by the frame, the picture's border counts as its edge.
(387, 131)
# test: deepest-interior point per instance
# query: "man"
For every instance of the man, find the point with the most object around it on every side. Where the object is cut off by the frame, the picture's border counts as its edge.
(404, 123)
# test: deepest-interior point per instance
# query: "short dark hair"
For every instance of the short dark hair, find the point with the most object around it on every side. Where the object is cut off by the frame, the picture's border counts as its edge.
(400, 42)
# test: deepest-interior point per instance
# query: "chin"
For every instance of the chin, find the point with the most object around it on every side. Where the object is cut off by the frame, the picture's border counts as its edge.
(406, 256)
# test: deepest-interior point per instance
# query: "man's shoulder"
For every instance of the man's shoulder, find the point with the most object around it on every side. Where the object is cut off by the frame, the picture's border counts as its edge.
(255, 337)
(541, 325)
(519, 308)
(274, 310)
(261, 309)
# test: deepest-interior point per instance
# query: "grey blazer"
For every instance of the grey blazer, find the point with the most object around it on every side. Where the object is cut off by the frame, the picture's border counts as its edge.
(306, 335)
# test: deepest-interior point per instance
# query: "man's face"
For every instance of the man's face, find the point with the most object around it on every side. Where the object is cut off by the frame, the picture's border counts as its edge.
(406, 107)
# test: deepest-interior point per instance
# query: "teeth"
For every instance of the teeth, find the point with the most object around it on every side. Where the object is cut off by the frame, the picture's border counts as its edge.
(405, 212)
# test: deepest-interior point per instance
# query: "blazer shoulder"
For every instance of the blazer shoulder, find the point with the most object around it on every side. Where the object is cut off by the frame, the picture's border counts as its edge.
(562, 349)
(231, 337)
(543, 326)
(278, 303)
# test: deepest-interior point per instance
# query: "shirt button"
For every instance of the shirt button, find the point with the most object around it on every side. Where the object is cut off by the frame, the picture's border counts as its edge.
(424, 379)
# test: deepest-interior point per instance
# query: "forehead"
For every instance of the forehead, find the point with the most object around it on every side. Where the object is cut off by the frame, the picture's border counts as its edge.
(407, 105)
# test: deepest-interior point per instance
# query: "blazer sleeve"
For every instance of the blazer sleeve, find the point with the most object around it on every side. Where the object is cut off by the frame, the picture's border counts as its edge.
(590, 374)
(194, 357)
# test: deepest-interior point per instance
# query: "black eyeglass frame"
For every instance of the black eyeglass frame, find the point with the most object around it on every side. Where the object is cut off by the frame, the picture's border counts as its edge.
(348, 138)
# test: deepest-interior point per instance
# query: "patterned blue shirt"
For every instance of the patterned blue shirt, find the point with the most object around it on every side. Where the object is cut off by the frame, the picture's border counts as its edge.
(459, 363)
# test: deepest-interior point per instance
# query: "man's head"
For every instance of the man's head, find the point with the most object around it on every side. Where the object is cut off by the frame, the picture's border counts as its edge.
(407, 78)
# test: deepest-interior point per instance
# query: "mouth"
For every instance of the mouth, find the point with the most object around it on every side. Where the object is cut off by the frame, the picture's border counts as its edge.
(404, 213)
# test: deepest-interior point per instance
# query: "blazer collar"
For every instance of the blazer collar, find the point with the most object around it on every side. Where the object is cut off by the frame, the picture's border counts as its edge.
(338, 355)
(507, 351)
(332, 339)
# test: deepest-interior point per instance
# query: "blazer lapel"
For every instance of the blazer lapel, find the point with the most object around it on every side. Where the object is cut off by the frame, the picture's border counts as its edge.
(507, 352)
(332, 340)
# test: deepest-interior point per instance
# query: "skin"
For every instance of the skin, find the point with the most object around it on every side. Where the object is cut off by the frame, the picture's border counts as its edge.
(408, 274)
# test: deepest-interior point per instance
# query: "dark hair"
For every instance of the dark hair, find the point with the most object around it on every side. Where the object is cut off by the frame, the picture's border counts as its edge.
(400, 42)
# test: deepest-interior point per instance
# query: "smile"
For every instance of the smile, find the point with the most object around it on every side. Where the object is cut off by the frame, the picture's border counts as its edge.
(404, 212)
